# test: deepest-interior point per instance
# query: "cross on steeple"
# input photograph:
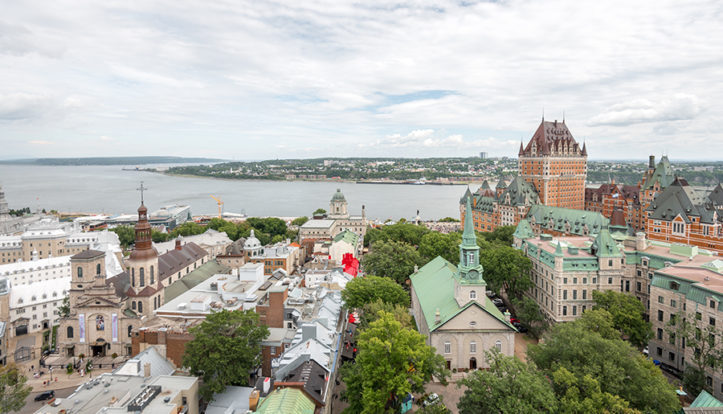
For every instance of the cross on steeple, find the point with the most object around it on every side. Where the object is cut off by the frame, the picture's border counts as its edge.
(141, 188)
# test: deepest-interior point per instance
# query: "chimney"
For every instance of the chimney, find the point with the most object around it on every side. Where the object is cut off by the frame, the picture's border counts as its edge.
(147, 369)
(437, 317)
(640, 241)
(651, 162)
(253, 400)
(178, 244)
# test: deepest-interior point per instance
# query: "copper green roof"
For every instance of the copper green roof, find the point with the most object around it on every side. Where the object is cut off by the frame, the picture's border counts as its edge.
(663, 173)
(434, 287)
(706, 400)
(523, 230)
(338, 196)
(566, 219)
(286, 401)
(347, 236)
(203, 272)
(605, 246)
(519, 193)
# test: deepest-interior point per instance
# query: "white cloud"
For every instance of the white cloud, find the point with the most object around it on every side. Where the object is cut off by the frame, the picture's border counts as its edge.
(320, 74)
(679, 107)
(40, 142)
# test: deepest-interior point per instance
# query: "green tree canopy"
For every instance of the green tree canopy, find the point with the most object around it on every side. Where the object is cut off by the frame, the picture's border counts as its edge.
(435, 244)
(583, 395)
(299, 221)
(64, 308)
(270, 225)
(591, 346)
(509, 386)
(319, 212)
(628, 315)
(159, 236)
(502, 235)
(188, 228)
(365, 290)
(373, 310)
(13, 388)
(392, 361)
(529, 314)
(506, 267)
(393, 259)
(225, 347)
(449, 220)
(401, 232)
(126, 235)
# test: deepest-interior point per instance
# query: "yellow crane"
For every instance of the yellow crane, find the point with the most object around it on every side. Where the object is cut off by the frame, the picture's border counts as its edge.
(220, 206)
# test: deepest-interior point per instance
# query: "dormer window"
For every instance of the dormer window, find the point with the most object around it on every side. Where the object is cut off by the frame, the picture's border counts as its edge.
(473, 294)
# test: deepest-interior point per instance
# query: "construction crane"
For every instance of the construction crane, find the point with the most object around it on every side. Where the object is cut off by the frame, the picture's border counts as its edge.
(220, 206)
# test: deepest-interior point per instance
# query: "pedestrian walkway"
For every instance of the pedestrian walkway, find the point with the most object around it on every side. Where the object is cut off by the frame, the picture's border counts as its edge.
(60, 379)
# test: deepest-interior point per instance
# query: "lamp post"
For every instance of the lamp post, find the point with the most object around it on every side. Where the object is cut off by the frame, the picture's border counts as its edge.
(51, 374)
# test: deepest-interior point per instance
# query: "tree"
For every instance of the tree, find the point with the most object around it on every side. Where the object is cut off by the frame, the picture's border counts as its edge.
(583, 395)
(707, 347)
(225, 348)
(401, 232)
(529, 314)
(364, 290)
(502, 234)
(319, 212)
(392, 361)
(299, 221)
(628, 315)
(126, 235)
(435, 244)
(159, 236)
(14, 391)
(188, 228)
(448, 220)
(64, 308)
(372, 311)
(271, 225)
(392, 259)
(591, 346)
(509, 386)
(508, 268)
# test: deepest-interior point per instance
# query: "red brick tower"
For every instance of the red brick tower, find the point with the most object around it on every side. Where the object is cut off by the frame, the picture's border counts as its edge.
(556, 165)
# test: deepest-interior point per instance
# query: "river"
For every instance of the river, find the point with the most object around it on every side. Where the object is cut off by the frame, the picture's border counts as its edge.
(110, 190)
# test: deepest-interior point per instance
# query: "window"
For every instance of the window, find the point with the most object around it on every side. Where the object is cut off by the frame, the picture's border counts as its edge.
(574, 310)
(69, 332)
(659, 351)
(133, 277)
(639, 286)
(564, 311)
(80, 272)
(473, 347)
(712, 304)
(610, 281)
(472, 294)
(584, 293)
(709, 381)
(447, 348)
(671, 339)
(133, 305)
(97, 269)
(498, 346)
(674, 285)
(660, 334)
(698, 316)
(671, 356)
(564, 294)
(141, 277)
(130, 329)
(627, 286)
(673, 303)
(574, 294)
(660, 316)
(140, 307)
(153, 276)
(711, 321)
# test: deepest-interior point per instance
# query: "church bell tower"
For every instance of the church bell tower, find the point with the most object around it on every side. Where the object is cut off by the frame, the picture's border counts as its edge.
(469, 281)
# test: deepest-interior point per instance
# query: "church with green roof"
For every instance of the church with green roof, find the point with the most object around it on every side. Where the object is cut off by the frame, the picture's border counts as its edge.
(451, 308)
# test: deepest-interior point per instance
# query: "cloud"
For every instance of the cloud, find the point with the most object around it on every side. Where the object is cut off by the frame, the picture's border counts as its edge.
(106, 138)
(23, 106)
(679, 107)
(40, 142)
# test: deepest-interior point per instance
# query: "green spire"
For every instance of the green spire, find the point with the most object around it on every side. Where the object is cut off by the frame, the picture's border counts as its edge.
(558, 250)
(469, 269)
(468, 237)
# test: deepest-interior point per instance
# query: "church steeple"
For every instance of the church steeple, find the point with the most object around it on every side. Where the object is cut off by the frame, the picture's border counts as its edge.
(469, 270)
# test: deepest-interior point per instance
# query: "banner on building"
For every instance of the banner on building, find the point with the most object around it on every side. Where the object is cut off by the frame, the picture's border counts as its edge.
(114, 321)
(81, 327)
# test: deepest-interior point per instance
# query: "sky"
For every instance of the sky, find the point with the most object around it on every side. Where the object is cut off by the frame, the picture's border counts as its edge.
(249, 80)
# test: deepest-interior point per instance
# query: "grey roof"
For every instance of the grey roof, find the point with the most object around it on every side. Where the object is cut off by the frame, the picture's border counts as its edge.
(663, 173)
(716, 196)
(159, 364)
(233, 400)
(681, 199)
(520, 193)
(175, 260)
(88, 254)
(192, 279)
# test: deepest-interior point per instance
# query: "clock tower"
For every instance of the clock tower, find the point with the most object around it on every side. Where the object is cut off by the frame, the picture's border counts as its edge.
(469, 281)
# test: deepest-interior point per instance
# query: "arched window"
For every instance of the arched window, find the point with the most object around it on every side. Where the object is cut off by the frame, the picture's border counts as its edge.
(133, 277)
(140, 307)
(133, 305)
(498, 346)
(130, 329)
(97, 269)
(80, 271)
(473, 294)
(153, 276)
(69, 332)
(141, 277)
(155, 303)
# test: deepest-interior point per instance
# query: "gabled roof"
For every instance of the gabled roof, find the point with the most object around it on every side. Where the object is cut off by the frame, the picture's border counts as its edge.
(87, 254)
(551, 137)
(663, 173)
(347, 236)
(174, 261)
(706, 400)
(680, 199)
(192, 279)
(604, 245)
(520, 192)
(523, 230)
(434, 287)
(287, 401)
(716, 196)
(558, 218)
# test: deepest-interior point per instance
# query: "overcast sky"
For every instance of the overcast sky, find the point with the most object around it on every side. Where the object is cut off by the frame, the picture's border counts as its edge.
(300, 79)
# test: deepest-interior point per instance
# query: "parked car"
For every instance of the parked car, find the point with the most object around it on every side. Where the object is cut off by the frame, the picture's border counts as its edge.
(514, 320)
(431, 400)
(490, 294)
(646, 352)
(498, 302)
(520, 327)
(47, 395)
